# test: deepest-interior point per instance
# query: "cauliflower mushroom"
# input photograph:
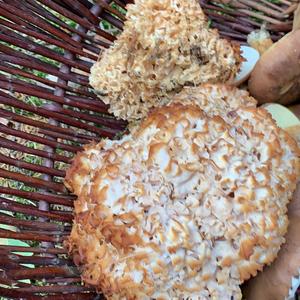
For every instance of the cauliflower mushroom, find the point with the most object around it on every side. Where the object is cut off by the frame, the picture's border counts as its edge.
(165, 45)
(190, 205)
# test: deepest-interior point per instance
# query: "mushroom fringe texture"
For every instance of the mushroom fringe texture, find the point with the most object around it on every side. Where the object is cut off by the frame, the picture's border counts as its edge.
(281, 279)
(190, 205)
(165, 45)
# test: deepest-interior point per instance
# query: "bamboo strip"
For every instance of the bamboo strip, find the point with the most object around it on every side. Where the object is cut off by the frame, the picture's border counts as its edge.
(26, 237)
(67, 134)
(32, 167)
(37, 139)
(18, 147)
(30, 210)
(66, 200)
(6, 219)
(34, 249)
(44, 272)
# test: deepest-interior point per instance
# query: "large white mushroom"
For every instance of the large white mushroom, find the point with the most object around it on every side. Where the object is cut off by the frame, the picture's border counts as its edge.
(190, 205)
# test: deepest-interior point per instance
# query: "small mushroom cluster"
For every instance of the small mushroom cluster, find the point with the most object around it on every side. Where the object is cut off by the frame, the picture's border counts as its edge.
(165, 45)
(190, 205)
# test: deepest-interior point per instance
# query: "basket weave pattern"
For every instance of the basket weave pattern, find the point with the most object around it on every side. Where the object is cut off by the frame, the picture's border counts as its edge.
(48, 112)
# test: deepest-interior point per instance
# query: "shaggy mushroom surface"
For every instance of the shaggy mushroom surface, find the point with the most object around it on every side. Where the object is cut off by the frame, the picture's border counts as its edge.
(190, 205)
(165, 45)
(281, 279)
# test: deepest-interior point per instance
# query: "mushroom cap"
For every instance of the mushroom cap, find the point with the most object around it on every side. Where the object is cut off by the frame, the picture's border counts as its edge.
(190, 205)
(165, 45)
(276, 76)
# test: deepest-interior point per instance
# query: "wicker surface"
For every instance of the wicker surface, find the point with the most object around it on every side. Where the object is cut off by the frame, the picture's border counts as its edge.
(47, 112)
(237, 18)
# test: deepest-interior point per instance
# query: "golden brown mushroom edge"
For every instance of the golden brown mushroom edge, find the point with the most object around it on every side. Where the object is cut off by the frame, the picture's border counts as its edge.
(281, 279)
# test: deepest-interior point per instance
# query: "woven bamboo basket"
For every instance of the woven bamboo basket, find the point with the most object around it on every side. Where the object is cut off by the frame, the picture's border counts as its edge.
(48, 111)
